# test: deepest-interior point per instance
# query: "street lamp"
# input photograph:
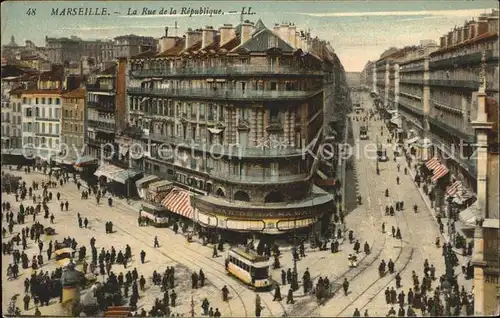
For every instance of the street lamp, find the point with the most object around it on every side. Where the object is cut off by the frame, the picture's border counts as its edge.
(295, 274)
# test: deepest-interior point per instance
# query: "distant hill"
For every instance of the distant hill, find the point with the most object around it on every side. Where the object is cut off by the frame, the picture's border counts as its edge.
(353, 78)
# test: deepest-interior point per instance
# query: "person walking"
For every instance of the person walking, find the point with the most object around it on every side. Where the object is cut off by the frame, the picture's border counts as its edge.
(143, 256)
(277, 293)
(156, 244)
(345, 285)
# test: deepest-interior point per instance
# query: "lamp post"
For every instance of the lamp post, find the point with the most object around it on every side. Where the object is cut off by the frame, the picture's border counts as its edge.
(295, 274)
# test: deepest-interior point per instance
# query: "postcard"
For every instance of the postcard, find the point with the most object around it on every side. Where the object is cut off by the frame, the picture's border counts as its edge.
(250, 158)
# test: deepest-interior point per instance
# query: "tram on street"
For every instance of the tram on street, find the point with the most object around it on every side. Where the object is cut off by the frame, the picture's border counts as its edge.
(363, 132)
(249, 267)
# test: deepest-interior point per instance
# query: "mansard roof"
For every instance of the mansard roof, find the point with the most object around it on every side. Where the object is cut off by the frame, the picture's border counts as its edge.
(264, 40)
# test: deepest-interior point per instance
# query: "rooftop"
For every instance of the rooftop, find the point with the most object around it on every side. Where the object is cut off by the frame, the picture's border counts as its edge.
(76, 93)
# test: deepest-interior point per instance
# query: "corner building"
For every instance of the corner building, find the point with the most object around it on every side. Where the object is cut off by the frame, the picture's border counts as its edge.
(240, 106)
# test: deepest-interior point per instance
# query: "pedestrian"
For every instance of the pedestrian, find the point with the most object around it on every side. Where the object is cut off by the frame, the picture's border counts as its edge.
(142, 282)
(201, 277)
(289, 297)
(85, 222)
(143, 256)
(283, 277)
(26, 301)
(277, 293)
(345, 285)
(397, 180)
(214, 252)
(173, 297)
(62, 206)
(67, 205)
(156, 242)
(51, 218)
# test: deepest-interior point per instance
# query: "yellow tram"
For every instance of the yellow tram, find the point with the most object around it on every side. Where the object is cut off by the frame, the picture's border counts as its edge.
(249, 267)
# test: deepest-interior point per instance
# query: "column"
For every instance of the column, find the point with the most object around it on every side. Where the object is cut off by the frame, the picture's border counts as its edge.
(252, 137)
(286, 127)
(264, 118)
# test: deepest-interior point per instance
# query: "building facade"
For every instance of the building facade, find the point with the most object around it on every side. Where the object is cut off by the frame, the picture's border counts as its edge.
(454, 81)
(73, 49)
(239, 105)
(100, 112)
(486, 240)
(73, 124)
(41, 114)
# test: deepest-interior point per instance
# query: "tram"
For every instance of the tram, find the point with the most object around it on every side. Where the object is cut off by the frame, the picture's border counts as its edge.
(363, 134)
(249, 267)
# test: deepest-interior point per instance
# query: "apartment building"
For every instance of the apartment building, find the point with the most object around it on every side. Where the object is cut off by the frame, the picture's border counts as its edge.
(72, 125)
(239, 104)
(454, 79)
(100, 111)
(73, 49)
(13, 77)
(366, 76)
(486, 215)
(413, 100)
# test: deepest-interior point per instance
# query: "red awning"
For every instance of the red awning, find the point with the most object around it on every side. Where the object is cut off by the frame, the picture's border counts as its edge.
(453, 188)
(178, 201)
(438, 169)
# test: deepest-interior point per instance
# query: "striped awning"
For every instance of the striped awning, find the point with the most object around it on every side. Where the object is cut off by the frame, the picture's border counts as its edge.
(178, 201)
(453, 188)
(438, 169)
(107, 170)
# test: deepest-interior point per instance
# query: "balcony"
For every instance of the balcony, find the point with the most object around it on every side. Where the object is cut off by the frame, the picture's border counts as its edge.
(38, 118)
(465, 134)
(102, 125)
(100, 106)
(468, 164)
(257, 179)
(419, 68)
(231, 151)
(458, 61)
(411, 81)
(464, 84)
(233, 70)
(410, 105)
(46, 134)
(100, 88)
(223, 94)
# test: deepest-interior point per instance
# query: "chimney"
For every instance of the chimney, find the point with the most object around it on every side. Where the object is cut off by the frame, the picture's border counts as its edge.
(207, 36)
(482, 27)
(292, 30)
(192, 37)
(276, 29)
(284, 32)
(227, 33)
(246, 31)
(472, 30)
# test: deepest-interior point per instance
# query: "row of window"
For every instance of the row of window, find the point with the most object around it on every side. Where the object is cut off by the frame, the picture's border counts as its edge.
(68, 113)
(49, 128)
(42, 112)
(42, 101)
(41, 141)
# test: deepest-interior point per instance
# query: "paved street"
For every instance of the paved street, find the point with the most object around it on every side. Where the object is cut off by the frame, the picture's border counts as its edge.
(366, 290)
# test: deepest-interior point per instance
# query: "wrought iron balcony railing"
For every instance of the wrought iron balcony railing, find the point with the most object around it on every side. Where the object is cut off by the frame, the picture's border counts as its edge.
(467, 84)
(107, 107)
(231, 94)
(231, 70)
(100, 88)
(234, 151)
(108, 126)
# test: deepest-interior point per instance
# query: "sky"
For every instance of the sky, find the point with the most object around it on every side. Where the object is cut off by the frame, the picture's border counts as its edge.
(359, 31)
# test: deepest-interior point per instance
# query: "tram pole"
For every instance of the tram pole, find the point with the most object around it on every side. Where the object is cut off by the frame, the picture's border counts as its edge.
(295, 282)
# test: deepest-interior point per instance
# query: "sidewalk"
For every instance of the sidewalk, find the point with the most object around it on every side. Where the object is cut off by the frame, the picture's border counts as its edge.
(425, 198)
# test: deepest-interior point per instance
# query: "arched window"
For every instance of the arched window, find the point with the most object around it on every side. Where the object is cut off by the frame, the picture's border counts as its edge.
(220, 193)
(241, 196)
(274, 196)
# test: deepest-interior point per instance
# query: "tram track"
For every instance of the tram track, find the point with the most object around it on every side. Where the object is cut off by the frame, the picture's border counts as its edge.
(361, 268)
(173, 255)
